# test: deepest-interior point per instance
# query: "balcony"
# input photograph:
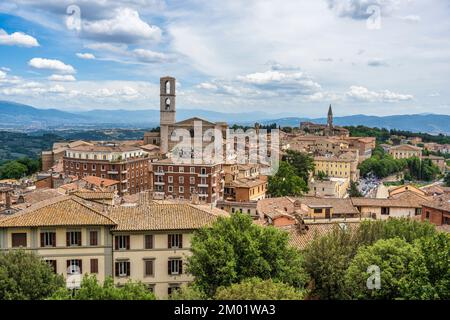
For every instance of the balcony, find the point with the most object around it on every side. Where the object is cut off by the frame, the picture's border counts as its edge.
(112, 172)
(203, 185)
(124, 181)
(203, 175)
(159, 183)
(159, 173)
(203, 195)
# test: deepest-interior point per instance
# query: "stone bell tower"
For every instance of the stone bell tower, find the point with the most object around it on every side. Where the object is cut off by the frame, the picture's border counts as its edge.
(167, 110)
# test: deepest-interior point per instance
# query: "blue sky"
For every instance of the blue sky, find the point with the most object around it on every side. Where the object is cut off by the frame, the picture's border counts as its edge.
(294, 57)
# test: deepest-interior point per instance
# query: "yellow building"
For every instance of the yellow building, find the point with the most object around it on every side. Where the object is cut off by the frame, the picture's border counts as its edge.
(342, 166)
(148, 242)
(405, 151)
(152, 242)
(64, 231)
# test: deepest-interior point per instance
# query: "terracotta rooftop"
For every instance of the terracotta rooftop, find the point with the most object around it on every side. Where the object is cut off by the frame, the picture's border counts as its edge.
(406, 147)
(100, 182)
(61, 211)
(441, 203)
(164, 217)
(93, 195)
(301, 240)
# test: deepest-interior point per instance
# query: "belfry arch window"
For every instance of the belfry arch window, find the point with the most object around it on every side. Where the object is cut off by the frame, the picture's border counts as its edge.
(167, 85)
(167, 103)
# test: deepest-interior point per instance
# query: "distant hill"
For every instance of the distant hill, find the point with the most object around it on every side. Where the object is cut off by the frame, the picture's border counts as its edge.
(427, 123)
(15, 116)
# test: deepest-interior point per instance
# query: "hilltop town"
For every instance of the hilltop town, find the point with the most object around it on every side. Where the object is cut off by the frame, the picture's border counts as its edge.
(128, 208)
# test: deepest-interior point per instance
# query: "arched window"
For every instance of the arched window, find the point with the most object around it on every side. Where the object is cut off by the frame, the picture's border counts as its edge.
(167, 103)
(167, 85)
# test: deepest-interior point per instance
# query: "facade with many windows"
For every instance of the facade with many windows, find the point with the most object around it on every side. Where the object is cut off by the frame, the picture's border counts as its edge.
(181, 181)
(128, 165)
(148, 242)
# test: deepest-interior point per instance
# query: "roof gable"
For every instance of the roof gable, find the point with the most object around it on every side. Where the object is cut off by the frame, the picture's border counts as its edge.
(61, 211)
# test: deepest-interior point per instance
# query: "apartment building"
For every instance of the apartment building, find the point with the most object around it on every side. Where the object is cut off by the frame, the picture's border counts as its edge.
(148, 242)
(71, 236)
(405, 151)
(338, 166)
(246, 189)
(127, 164)
(181, 181)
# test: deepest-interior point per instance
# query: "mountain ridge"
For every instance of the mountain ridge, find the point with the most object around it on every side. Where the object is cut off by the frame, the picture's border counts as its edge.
(14, 115)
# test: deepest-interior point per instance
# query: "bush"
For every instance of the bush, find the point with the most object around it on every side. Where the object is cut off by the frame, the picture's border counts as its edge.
(257, 289)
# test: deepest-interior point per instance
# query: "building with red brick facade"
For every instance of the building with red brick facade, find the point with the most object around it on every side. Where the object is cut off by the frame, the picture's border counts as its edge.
(182, 181)
(127, 164)
(437, 211)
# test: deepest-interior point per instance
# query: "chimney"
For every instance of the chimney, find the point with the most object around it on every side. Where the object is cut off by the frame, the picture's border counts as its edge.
(8, 199)
(195, 198)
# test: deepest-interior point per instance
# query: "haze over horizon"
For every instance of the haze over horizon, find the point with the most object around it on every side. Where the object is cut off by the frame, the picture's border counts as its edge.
(229, 56)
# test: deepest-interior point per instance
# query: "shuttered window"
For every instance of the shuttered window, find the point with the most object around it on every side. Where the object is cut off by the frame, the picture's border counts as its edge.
(175, 266)
(175, 241)
(94, 265)
(93, 238)
(48, 239)
(122, 242)
(148, 241)
(148, 265)
(73, 238)
(74, 266)
(122, 268)
(19, 240)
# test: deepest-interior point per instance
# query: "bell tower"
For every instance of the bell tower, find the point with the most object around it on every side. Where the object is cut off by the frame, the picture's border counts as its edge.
(167, 110)
(330, 118)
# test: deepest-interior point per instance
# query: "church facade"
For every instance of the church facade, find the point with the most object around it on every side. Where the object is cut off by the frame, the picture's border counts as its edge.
(328, 129)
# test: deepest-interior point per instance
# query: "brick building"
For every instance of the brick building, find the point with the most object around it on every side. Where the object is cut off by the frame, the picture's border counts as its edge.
(127, 164)
(181, 181)
(437, 211)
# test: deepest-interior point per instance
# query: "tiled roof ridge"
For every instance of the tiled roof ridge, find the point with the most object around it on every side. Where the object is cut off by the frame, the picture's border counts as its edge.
(81, 202)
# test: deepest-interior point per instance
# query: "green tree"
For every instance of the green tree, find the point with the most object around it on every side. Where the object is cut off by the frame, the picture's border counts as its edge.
(402, 271)
(189, 292)
(406, 229)
(24, 276)
(302, 162)
(286, 183)
(436, 253)
(91, 289)
(326, 260)
(13, 170)
(234, 249)
(447, 179)
(353, 190)
(257, 289)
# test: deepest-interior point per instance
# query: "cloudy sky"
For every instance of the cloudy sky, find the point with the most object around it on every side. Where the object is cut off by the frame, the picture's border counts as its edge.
(295, 57)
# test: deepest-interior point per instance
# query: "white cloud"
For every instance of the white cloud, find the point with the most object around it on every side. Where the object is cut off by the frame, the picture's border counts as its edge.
(61, 77)
(411, 18)
(126, 26)
(2, 74)
(51, 64)
(207, 86)
(363, 94)
(17, 39)
(149, 56)
(87, 56)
